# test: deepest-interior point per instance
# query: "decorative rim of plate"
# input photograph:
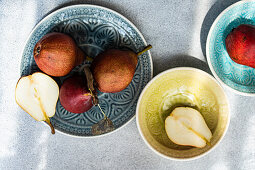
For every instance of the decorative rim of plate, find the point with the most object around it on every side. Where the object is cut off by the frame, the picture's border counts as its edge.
(103, 8)
(208, 46)
(140, 98)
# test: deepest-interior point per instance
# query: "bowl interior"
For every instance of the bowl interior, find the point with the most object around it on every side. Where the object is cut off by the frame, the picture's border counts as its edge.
(238, 77)
(181, 87)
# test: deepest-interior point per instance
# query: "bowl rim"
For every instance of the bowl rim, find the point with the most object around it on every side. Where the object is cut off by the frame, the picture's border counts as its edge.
(148, 85)
(208, 45)
(52, 13)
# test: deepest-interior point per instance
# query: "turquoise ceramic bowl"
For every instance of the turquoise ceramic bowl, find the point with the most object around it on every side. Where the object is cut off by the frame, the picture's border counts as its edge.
(238, 77)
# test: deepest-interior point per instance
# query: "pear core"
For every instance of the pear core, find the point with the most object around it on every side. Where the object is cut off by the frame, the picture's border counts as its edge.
(186, 126)
(37, 94)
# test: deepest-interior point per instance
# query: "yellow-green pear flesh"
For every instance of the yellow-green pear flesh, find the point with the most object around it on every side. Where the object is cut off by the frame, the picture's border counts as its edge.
(37, 94)
(186, 126)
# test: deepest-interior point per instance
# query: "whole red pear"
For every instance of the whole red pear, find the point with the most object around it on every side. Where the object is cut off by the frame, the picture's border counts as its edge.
(74, 95)
(240, 44)
(114, 69)
(57, 54)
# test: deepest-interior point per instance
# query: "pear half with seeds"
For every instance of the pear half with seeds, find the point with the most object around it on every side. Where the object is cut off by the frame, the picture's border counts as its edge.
(37, 94)
(186, 126)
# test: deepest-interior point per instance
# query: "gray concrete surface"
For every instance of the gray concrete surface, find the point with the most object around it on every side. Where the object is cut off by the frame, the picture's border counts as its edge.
(177, 30)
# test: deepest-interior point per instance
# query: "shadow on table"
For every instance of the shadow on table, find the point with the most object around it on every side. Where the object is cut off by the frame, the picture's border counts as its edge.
(211, 15)
(180, 61)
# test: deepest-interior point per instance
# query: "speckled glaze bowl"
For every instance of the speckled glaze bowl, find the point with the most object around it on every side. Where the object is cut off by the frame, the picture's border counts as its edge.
(181, 86)
(240, 78)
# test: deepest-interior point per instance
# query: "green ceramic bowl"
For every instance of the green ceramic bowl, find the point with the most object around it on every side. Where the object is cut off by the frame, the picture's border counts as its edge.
(181, 87)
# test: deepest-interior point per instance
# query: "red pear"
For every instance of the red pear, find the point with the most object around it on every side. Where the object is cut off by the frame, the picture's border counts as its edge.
(74, 95)
(113, 70)
(57, 54)
(240, 44)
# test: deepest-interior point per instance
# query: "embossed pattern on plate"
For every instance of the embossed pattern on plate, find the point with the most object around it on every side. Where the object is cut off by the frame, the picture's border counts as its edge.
(238, 77)
(94, 29)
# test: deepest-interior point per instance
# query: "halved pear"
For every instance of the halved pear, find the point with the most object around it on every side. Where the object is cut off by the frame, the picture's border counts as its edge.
(186, 126)
(37, 94)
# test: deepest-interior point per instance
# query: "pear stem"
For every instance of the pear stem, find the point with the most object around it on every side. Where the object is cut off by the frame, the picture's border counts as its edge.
(144, 50)
(102, 111)
(89, 58)
(51, 126)
(45, 115)
(90, 84)
(88, 94)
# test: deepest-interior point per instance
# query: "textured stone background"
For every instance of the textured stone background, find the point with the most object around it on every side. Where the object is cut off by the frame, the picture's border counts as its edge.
(177, 30)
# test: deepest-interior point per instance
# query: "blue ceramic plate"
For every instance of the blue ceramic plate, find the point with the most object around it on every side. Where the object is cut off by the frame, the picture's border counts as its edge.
(238, 77)
(94, 29)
